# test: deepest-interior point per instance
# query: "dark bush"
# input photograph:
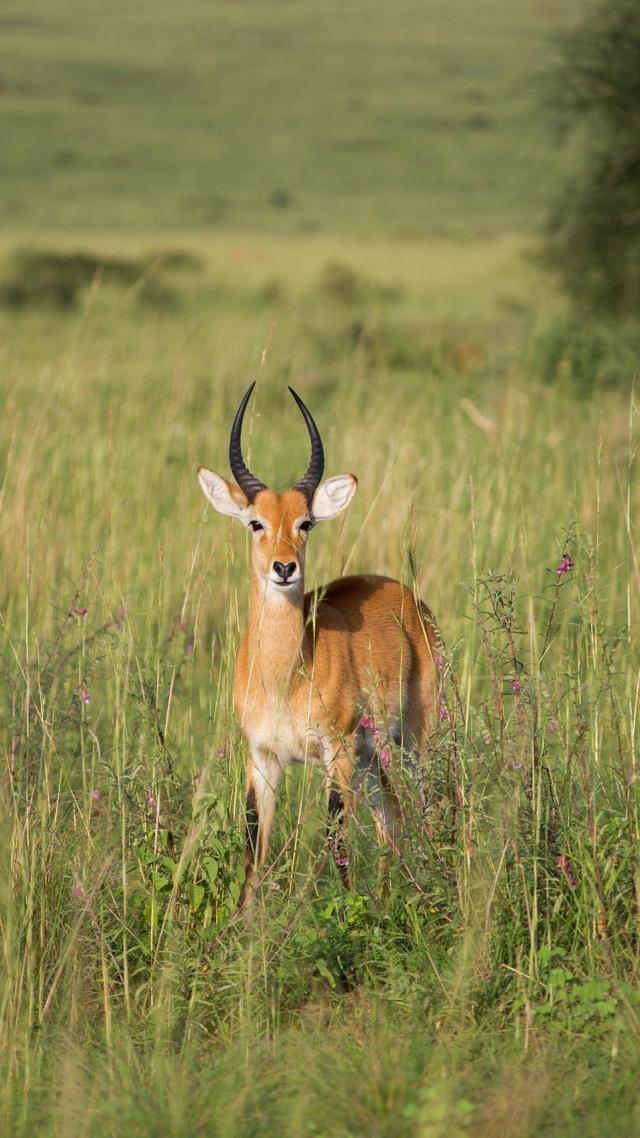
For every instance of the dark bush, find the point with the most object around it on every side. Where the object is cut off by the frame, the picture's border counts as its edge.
(345, 286)
(280, 199)
(49, 279)
(42, 278)
(593, 233)
(342, 284)
(174, 260)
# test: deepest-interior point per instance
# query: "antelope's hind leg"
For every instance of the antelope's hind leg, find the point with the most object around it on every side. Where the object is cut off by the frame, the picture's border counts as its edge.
(264, 771)
(381, 798)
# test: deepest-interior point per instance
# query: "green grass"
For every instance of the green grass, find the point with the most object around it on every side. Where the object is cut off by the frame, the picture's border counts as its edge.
(413, 119)
(488, 995)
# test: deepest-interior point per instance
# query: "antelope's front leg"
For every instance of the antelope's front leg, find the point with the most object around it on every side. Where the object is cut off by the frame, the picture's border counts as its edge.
(339, 780)
(264, 771)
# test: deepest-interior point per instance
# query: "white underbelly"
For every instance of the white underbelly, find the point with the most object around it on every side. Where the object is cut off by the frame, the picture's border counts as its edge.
(285, 739)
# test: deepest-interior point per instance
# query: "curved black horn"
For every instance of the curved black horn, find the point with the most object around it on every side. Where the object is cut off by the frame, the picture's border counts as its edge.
(309, 484)
(243, 476)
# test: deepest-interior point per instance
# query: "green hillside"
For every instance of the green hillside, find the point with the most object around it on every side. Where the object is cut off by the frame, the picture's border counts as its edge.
(411, 118)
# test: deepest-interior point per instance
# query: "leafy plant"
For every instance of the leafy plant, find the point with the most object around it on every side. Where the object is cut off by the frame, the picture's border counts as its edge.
(593, 234)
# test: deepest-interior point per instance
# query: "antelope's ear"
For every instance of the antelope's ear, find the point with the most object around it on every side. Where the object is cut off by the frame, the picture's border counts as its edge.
(333, 496)
(225, 497)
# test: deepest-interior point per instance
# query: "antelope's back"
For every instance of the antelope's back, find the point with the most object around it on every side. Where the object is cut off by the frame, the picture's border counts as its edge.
(391, 641)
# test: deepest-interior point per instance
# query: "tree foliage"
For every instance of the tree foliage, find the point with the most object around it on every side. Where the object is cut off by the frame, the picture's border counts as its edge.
(593, 233)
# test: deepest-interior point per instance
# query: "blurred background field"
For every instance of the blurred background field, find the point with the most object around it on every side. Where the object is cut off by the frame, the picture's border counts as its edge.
(349, 199)
(355, 119)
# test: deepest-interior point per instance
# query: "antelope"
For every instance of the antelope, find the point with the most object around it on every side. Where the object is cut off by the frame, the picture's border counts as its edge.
(316, 671)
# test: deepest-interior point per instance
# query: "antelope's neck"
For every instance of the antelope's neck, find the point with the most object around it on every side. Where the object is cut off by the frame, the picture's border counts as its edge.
(275, 634)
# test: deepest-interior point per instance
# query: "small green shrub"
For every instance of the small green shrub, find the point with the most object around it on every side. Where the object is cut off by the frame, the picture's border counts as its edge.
(280, 199)
(340, 283)
(572, 1004)
(587, 354)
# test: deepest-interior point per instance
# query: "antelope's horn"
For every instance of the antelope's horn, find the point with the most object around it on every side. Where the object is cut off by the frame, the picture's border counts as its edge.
(243, 476)
(309, 484)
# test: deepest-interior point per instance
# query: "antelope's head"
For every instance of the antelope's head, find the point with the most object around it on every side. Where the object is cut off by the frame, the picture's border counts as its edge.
(279, 523)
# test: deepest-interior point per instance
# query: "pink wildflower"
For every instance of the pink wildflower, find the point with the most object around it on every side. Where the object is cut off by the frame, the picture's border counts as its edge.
(150, 801)
(632, 777)
(443, 712)
(565, 565)
(367, 723)
(385, 757)
(440, 662)
(85, 695)
(553, 726)
(77, 891)
(96, 795)
(342, 862)
(564, 865)
(79, 612)
(222, 752)
(516, 686)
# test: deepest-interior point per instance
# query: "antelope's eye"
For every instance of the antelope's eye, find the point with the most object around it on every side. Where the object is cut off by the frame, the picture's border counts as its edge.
(255, 525)
(306, 525)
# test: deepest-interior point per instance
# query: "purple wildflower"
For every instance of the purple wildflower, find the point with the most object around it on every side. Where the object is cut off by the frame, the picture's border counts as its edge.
(150, 801)
(79, 612)
(367, 723)
(516, 766)
(565, 565)
(553, 726)
(440, 662)
(443, 712)
(632, 778)
(77, 891)
(385, 757)
(342, 862)
(96, 795)
(85, 695)
(564, 865)
(516, 686)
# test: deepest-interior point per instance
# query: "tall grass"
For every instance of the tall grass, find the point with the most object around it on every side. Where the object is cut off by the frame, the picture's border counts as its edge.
(495, 989)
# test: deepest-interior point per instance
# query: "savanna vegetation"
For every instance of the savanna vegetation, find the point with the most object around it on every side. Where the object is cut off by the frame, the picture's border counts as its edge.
(346, 200)
(594, 230)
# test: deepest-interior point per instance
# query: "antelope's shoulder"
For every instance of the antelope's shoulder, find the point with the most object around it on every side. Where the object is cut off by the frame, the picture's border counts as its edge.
(349, 599)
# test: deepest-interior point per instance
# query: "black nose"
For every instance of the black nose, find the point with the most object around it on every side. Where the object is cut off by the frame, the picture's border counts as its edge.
(285, 571)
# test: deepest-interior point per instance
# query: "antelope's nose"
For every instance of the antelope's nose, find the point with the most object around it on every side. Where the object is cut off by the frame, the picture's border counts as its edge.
(284, 571)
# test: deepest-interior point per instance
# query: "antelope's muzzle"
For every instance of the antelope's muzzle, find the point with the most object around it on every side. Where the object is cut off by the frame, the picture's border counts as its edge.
(284, 573)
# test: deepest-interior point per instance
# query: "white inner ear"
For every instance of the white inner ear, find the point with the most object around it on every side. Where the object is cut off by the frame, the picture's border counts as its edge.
(333, 496)
(224, 496)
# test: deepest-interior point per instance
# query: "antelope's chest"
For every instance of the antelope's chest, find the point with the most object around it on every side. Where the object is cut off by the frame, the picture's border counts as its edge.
(279, 727)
